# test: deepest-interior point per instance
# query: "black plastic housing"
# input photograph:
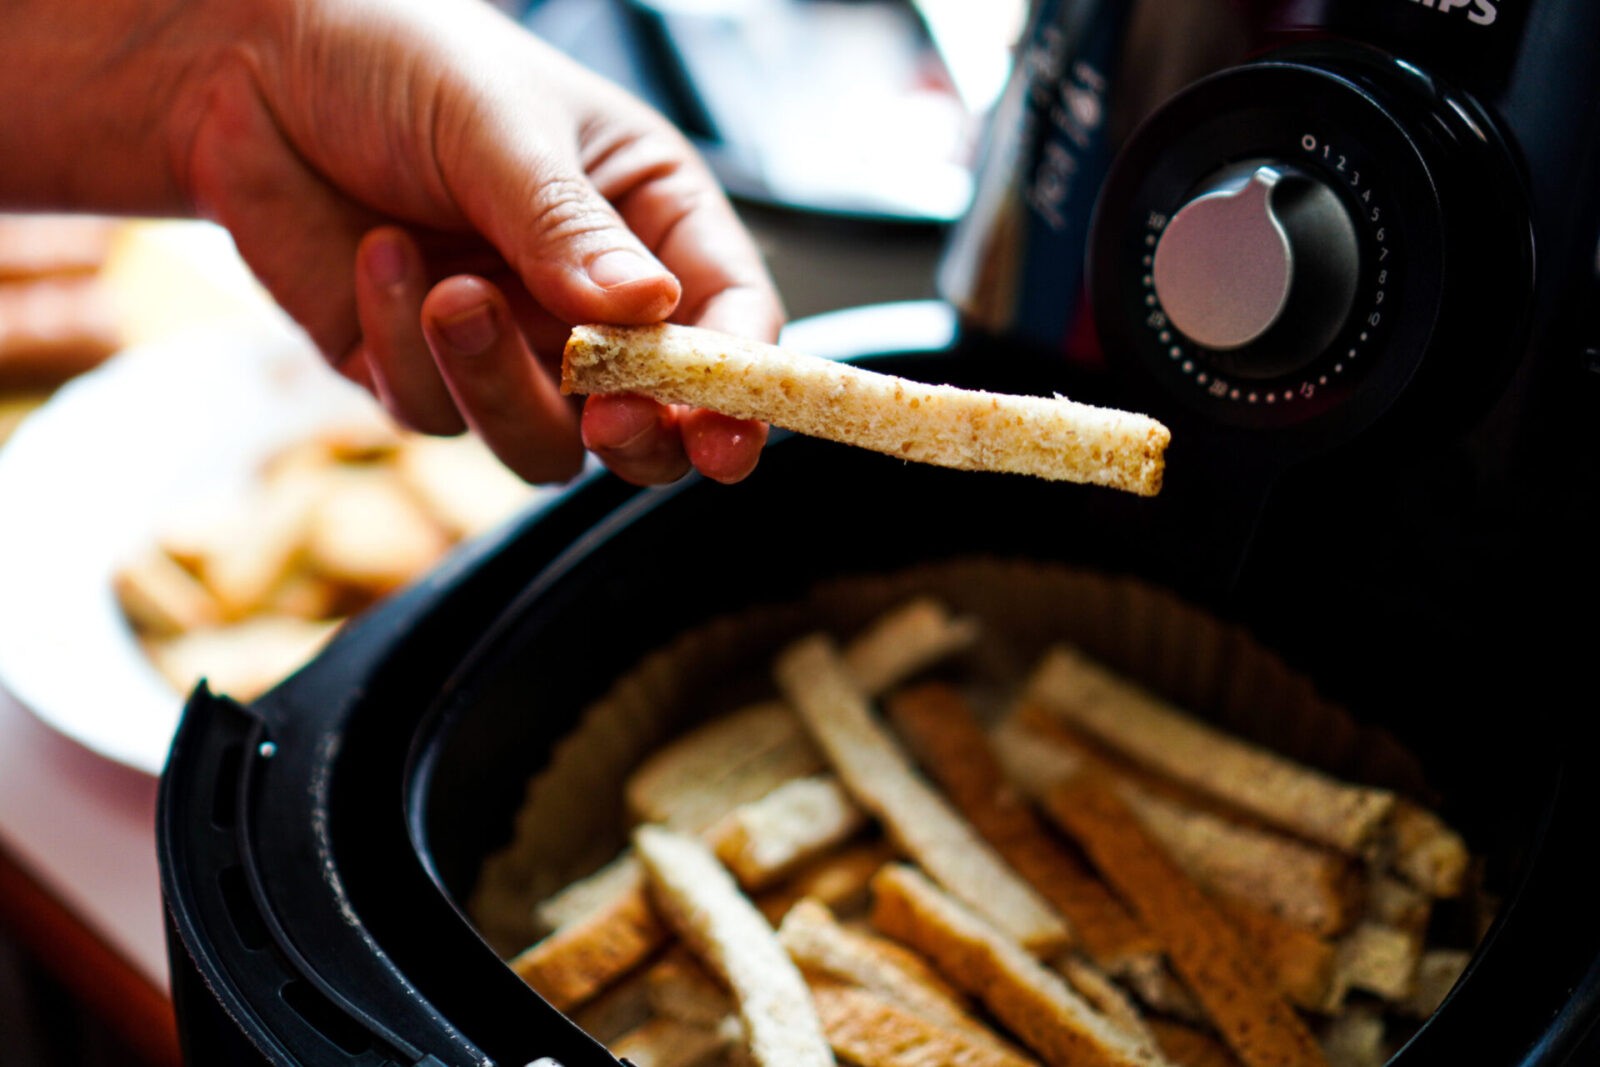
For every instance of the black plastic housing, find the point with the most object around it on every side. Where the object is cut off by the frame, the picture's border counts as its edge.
(317, 846)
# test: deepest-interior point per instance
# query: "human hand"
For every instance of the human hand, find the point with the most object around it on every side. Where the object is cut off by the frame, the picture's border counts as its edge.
(436, 196)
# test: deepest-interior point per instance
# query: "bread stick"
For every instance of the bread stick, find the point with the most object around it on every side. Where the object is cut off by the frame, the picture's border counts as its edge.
(838, 880)
(1033, 1002)
(870, 1030)
(1303, 966)
(1250, 1014)
(820, 946)
(1191, 1046)
(696, 779)
(882, 780)
(1049, 437)
(1381, 960)
(1314, 887)
(693, 781)
(583, 957)
(1141, 727)
(1426, 852)
(943, 733)
(906, 640)
(700, 901)
(678, 987)
(663, 1042)
(765, 839)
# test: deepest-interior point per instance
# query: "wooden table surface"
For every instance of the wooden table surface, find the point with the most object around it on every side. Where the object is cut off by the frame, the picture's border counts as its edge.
(79, 889)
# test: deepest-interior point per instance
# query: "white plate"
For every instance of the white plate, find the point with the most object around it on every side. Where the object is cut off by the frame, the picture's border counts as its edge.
(92, 476)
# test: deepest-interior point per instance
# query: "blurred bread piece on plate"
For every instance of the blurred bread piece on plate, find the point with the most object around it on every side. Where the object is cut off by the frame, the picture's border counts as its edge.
(58, 317)
(461, 483)
(53, 329)
(244, 659)
(40, 245)
(367, 531)
(162, 598)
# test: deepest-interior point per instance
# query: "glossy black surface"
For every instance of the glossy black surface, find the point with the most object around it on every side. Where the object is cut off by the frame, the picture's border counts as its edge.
(399, 758)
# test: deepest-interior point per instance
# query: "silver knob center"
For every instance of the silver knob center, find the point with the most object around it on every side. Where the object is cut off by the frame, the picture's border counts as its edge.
(1224, 265)
(1265, 260)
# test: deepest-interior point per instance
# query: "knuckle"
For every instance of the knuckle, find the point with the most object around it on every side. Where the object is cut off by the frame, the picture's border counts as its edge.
(565, 209)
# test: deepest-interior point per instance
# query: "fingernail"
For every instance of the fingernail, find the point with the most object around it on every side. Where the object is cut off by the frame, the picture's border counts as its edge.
(470, 332)
(386, 262)
(622, 266)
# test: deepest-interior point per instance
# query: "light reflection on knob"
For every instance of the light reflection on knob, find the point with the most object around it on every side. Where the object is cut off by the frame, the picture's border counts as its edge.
(1264, 258)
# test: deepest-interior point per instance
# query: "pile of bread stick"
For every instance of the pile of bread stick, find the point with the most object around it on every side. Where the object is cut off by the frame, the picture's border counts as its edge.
(867, 870)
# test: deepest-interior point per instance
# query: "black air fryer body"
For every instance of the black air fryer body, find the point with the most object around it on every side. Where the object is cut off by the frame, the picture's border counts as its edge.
(1346, 250)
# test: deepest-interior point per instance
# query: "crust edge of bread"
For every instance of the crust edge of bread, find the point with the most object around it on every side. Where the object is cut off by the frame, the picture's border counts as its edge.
(1047, 437)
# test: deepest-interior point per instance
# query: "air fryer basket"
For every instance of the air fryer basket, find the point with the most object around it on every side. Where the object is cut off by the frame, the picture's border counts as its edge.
(363, 797)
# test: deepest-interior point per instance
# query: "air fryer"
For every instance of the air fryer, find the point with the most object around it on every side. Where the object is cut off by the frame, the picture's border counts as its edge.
(1379, 475)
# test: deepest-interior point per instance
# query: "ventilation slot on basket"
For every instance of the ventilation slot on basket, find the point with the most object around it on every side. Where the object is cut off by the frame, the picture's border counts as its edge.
(322, 1016)
(224, 801)
(247, 922)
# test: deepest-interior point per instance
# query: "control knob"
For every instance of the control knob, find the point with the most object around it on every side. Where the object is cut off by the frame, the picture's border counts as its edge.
(1260, 267)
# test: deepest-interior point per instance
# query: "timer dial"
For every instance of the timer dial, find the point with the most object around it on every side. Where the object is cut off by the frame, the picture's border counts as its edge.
(1307, 244)
(1264, 257)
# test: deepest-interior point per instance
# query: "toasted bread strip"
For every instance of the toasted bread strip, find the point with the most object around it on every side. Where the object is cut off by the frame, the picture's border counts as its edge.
(583, 957)
(904, 641)
(1303, 966)
(821, 947)
(699, 900)
(1438, 971)
(1311, 886)
(1153, 733)
(460, 483)
(678, 987)
(605, 925)
(1034, 1003)
(943, 733)
(1302, 963)
(880, 777)
(670, 1043)
(1104, 996)
(1190, 1045)
(1035, 753)
(968, 430)
(1426, 852)
(1303, 884)
(1356, 1038)
(693, 781)
(838, 880)
(1381, 960)
(869, 1030)
(624, 1006)
(1250, 1014)
(580, 899)
(764, 840)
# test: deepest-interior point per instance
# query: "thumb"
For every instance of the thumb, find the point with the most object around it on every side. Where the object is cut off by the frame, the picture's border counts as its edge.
(572, 250)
